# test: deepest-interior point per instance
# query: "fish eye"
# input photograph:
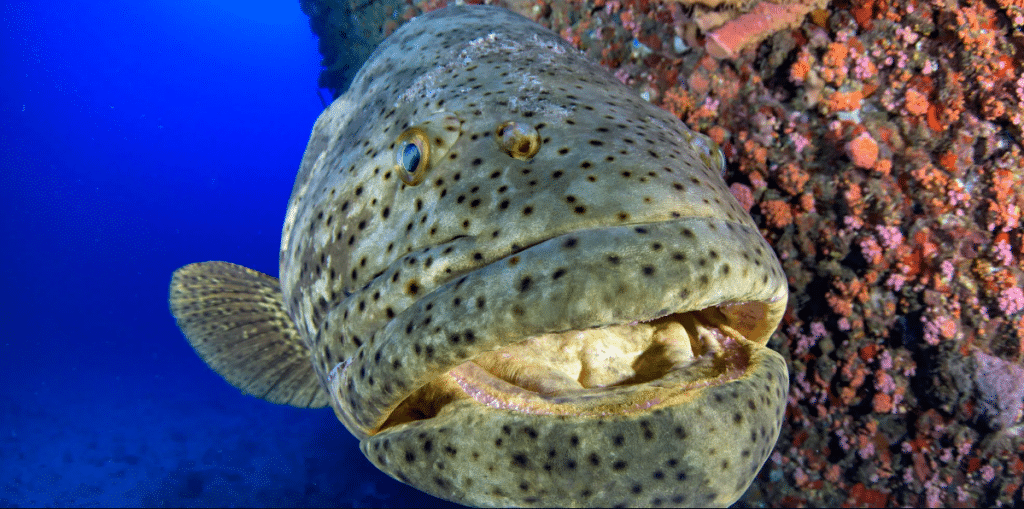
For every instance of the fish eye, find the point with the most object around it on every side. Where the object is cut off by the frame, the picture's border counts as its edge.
(518, 140)
(412, 156)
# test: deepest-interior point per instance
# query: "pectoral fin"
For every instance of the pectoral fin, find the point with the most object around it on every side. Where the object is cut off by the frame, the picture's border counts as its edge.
(235, 320)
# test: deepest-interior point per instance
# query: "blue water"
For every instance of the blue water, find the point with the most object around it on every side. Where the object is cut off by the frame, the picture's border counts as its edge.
(136, 137)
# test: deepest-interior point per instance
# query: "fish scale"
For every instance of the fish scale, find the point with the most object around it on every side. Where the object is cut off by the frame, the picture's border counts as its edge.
(491, 241)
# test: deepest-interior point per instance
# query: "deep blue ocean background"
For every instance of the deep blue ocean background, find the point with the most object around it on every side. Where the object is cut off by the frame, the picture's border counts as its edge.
(137, 137)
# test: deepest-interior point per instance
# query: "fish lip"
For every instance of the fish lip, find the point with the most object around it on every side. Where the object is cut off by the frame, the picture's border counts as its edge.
(470, 384)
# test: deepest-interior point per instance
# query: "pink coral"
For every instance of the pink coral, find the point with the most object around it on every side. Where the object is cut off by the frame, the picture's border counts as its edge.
(871, 250)
(885, 383)
(743, 194)
(895, 282)
(1011, 300)
(818, 330)
(940, 327)
(890, 236)
(1003, 252)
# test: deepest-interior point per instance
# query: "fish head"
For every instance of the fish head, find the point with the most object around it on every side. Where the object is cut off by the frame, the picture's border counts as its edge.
(523, 284)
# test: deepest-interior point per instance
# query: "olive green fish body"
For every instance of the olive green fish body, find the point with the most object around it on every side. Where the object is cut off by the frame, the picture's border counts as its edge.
(517, 282)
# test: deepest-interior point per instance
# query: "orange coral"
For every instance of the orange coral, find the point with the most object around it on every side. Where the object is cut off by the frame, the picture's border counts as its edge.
(853, 197)
(718, 135)
(882, 403)
(841, 306)
(792, 178)
(883, 167)
(798, 71)
(930, 177)
(1003, 211)
(933, 118)
(777, 212)
(678, 101)
(807, 202)
(834, 63)
(916, 102)
(976, 29)
(836, 54)
(755, 155)
(845, 101)
(863, 150)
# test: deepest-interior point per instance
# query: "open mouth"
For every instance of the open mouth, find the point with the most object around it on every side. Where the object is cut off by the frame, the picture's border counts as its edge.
(611, 370)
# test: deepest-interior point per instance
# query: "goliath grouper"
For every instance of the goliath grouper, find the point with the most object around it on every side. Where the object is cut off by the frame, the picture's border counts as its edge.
(514, 280)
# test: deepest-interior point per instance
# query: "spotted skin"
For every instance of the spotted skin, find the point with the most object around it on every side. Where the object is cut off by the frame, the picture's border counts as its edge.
(552, 299)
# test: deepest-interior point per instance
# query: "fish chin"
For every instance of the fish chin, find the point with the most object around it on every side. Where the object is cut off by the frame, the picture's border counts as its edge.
(614, 370)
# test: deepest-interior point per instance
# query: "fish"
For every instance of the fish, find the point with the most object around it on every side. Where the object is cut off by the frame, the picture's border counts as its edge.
(515, 282)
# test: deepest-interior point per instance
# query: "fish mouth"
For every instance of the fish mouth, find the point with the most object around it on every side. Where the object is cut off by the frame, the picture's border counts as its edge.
(610, 320)
(614, 370)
